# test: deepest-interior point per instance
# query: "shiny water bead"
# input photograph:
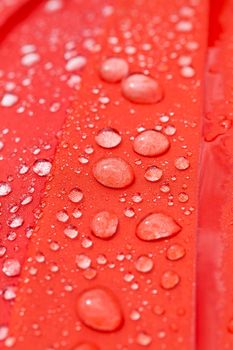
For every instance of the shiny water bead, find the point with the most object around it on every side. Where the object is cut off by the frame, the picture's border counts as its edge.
(142, 89)
(153, 173)
(85, 346)
(113, 172)
(175, 252)
(108, 138)
(169, 280)
(83, 261)
(42, 167)
(182, 163)
(99, 309)
(104, 224)
(151, 143)
(71, 231)
(157, 226)
(114, 69)
(144, 339)
(75, 195)
(5, 189)
(11, 267)
(144, 264)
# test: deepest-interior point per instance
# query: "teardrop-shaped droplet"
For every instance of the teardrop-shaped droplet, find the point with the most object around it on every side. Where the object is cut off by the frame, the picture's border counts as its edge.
(108, 138)
(157, 226)
(99, 309)
(113, 172)
(114, 69)
(104, 224)
(139, 88)
(151, 143)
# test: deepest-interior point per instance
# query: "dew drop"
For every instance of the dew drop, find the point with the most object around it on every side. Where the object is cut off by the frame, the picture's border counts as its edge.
(113, 172)
(175, 252)
(157, 226)
(42, 167)
(5, 189)
(169, 280)
(182, 163)
(71, 231)
(104, 224)
(114, 69)
(75, 195)
(85, 346)
(4, 330)
(8, 100)
(153, 173)
(99, 309)
(83, 261)
(15, 221)
(144, 264)
(62, 216)
(76, 63)
(108, 138)
(139, 88)
(151, 143)
(144, 339)
(11, 267)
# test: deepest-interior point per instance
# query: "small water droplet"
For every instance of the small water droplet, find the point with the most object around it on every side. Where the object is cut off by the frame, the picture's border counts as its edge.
(108, 138)
(139, 88)
(144, 264)
(169, 280)
(11, 267)
(5, 189)
(114, 69)
(71, 231)
(76, 63)
(182, 163)
(175, 252)
(153, 174)
(83, 261)
(9, 100)
(157, 226)
(151, 143)
(4, 330)
(144, 339)
(75, 195)
(62, 216)
(42, 167)
(99, 309)
(113, 172)
(104, 224)
(15, 221)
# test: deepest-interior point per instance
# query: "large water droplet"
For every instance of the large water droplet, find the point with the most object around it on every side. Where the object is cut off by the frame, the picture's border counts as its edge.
(99, 309)
(104, 224)
(169, 280)
(113, 172)
(139, 88)
(151, 143)
(157, 226)
(5, 189)
(114, 69)
(108, 138)
(42, 167)
(11, 267)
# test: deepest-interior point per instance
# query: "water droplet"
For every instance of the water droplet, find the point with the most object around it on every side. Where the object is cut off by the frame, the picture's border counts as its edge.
(5, 189)
(144, 264)
(3, 332)
(85, 346)
(104, 224)
(129, 212)
(151, 143)
(182, 163)
(187, 72)
(76, 63)
(11, 267)
(75, 195)
(42, 167)
(114, 69)
(71, 231)
(83, 261)
(9, 293)
(139, 88)
(8, 100)
(15, 221)
(2, 251)
(157, 226)
(169, 280)
(175, 252)
(108, 138)
(62, 216)
(99, 309)
(30, 59)
(144, 339)
(153, 173)
(113, 172)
